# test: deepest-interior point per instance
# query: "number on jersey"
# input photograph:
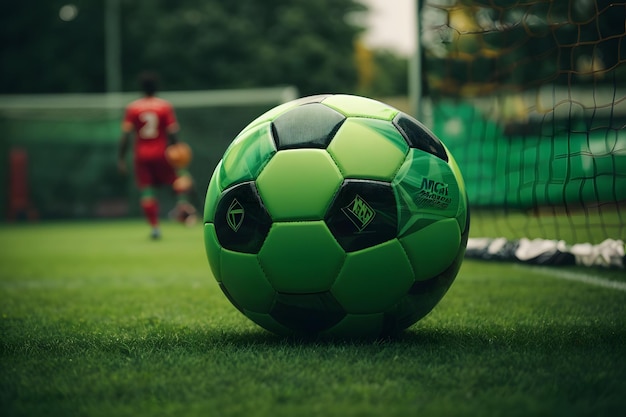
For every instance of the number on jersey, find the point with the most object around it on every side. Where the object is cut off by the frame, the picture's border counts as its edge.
(150, 129)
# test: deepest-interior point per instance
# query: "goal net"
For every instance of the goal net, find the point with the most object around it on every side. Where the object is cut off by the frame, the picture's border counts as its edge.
(530, 98)
(61, 150)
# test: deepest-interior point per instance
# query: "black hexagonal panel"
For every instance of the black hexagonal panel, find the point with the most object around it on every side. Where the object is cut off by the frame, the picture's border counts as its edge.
(363, 214)
(307, 313)
(311, 125)
(418, 136)
(241, 220)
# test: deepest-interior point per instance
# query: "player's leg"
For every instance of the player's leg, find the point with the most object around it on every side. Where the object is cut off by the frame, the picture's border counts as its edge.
(182, 184)
(183, 187)
(147, 196)
(150, 207)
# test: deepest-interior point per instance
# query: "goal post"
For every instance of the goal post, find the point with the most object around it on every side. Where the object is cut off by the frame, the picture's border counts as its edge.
(530, 98)
(117, 101)
(66, 146)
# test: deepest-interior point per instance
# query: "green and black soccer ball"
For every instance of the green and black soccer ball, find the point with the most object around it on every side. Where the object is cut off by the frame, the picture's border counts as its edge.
(335, 215)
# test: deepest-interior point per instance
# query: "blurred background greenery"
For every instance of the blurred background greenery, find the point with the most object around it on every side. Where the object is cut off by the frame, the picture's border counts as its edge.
(57, 46)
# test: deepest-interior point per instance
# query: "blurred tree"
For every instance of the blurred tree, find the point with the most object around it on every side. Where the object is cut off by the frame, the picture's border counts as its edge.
(381, 72)
(365, 66)
(390, 74)
(475, 47)
(43, 53)
(195, 44)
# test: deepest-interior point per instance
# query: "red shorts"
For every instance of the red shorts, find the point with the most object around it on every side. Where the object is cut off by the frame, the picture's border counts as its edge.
(154, 172)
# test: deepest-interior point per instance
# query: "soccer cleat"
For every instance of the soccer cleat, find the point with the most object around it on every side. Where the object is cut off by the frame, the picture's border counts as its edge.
(185, 213)
(155, 234)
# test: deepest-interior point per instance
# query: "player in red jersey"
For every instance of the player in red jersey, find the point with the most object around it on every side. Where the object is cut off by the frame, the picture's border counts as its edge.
(152, 121)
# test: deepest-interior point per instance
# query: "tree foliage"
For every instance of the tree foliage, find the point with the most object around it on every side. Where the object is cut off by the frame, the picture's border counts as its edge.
(195, 44)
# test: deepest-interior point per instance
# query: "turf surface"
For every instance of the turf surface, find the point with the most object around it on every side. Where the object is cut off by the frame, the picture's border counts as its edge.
(97, 320)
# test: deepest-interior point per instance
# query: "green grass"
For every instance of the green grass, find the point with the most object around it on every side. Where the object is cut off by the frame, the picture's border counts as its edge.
(575, 226)
(96, 320)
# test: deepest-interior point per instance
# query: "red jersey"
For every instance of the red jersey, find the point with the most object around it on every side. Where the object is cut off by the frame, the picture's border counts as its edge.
(151, 118)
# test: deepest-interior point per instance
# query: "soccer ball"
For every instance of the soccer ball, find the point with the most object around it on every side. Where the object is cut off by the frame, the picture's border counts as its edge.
(335, 215)
(178, 155)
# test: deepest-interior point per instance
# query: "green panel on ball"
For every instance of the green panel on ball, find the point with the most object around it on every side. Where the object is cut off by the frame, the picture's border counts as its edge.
(269, 115)
(360, 106)
(357, 326)
(368, 148)
(212, 195)
(463, 203)
(463, 216)
(425, 187)
(433, 248)
(213, 250)
(301, 257)
(298, 184)
(373, 279)
(245, 281)
(411, 308)
(246, 156)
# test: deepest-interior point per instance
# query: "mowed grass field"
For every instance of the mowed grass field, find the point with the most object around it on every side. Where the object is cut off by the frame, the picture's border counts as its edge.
(97, 320)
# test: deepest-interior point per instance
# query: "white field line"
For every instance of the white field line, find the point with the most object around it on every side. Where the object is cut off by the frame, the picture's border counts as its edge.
(582, 277)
